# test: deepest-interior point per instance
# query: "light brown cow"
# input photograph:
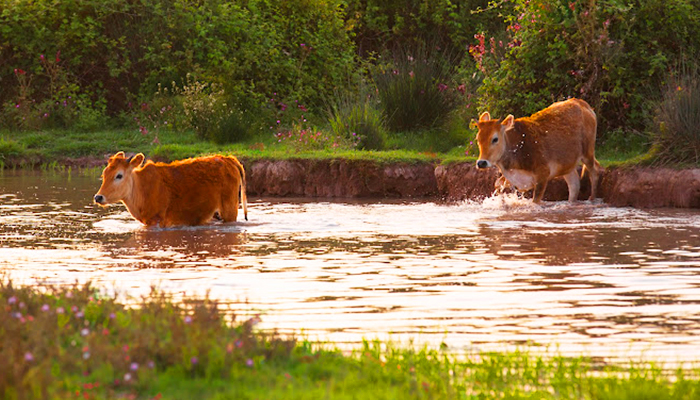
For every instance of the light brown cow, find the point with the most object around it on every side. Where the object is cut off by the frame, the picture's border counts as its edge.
(187, 192)
(532, 150)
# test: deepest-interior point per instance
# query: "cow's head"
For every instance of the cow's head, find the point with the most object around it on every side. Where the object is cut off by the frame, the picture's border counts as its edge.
(491, 139)
(117, 179)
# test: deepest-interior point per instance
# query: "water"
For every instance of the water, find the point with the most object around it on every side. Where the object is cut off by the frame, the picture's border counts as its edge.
(493, 275)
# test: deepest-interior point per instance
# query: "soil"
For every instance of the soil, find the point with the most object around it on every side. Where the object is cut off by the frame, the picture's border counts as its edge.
(635, 187)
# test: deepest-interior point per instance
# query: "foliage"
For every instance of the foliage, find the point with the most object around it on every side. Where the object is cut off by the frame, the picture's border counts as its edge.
(381, 25)
(613, 54)
(301, 137)
(358, 118)
(75, 342)
(677, 134)
(50, 98)
(418, 89)
(115, 53)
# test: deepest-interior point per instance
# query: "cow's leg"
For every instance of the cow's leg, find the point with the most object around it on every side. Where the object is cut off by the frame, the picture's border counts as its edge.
(591, 166)
(539, 190)
(574, 184)
(229, 208)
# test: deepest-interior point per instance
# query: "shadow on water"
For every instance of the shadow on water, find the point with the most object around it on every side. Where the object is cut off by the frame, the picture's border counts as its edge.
(475, 275)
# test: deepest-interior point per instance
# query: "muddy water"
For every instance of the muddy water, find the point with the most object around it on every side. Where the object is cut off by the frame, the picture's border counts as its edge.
(583, 279)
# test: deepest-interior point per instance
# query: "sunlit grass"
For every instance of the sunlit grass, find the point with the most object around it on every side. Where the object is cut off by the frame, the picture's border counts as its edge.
(70, 342)
(44, 148)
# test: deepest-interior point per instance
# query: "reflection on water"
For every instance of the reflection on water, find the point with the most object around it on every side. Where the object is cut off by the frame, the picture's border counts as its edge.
(586, 278)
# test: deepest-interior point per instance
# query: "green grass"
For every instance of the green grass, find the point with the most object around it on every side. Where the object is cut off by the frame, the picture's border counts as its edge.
(35, 148)
(75, 342)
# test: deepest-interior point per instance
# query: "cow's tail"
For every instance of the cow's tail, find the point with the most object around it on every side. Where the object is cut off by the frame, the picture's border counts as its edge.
(599, 168)
(243, 197)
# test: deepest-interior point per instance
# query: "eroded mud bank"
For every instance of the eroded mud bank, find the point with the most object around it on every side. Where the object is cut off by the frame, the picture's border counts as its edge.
(636, 187)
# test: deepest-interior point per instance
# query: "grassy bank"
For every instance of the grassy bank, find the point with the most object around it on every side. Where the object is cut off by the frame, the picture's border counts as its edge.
(36, 148)
(29, 149)
(74, 342)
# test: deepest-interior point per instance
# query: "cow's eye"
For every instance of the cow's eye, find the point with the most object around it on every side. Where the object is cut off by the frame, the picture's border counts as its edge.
(494, 140)
(118, 177)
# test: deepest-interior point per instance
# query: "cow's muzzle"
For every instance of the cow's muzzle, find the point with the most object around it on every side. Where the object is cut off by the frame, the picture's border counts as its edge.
(483, 164)
(100, 199)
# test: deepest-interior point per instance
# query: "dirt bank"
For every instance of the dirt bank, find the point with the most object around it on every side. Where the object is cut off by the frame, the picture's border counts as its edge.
(635, 187)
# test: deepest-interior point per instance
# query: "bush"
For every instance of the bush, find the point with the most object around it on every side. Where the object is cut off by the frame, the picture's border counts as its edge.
(417, 89)
(380, 25)
(613, 55)
(303, 137)
(358, 118)
(677, 135)
(117, 53)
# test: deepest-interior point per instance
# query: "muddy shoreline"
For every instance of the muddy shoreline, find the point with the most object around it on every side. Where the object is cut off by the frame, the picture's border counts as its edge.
(635, 187)
(640, 187)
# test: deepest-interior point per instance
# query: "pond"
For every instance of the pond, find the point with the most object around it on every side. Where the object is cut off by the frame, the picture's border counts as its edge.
(484, 275)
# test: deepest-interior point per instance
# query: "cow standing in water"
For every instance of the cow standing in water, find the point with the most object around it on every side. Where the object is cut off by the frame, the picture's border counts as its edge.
(532, 150)
(187, 192)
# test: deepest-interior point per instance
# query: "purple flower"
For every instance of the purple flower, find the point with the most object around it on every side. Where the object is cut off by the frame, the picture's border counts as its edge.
(12, 300)
(188, 319)
(249, 362)
(45, 308)
(194, 360)
(28, 356)
(134, 366)
(112, 316)
(85, 331)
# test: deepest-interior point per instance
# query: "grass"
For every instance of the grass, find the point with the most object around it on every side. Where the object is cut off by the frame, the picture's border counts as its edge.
(36, 148)
(75, 342)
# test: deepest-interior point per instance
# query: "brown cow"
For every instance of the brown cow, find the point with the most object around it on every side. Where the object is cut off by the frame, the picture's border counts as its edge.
(532, 150)
(187, 192)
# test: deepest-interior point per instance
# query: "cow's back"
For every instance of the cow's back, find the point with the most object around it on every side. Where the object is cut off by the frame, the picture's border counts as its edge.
(561, 133)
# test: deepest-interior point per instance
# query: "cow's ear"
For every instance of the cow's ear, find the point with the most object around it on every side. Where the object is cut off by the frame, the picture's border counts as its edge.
(136, 160)
(508, 121)
(485, 117)
(118, 155)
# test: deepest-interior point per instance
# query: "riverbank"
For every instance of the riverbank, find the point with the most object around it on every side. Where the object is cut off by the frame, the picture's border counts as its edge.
(274, 170)
(74, 341)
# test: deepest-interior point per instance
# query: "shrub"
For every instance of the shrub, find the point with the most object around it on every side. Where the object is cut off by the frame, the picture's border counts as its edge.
(302, 137)
(417, 89)
(677, 135)
(119, 53)
(358, 118)
(611, 54)
(380, 25)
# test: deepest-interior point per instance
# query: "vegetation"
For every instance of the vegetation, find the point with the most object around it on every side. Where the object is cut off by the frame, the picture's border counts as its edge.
(76, 342)
(677, 134)
(392, 73)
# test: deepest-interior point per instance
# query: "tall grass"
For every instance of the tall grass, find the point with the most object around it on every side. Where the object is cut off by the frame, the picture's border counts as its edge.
(677, 139)
(417, 89)
(358, 118)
